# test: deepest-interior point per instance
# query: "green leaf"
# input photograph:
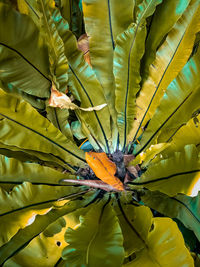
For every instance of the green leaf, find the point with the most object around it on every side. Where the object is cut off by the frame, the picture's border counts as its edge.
(15, 127)
(97, 122)
(31, 156)
(24, 236)
(187, 134)
(23, 54)
(177, 105)
(146, 157)
(82, 81)
(65, 7)
(166, 14)
(134, 228)
(170, 59)
(97, 241)
(128, 52)
(145, 9)
(59, 118)
(57, 58)
(177, 174)
(184, 208)
(19, 155)
(13, 171)
(77, 131)
(41, 251)
(103, 25)
(26, 201)
(44, 250)
(165, 246)
(182, 117)
(36, 102)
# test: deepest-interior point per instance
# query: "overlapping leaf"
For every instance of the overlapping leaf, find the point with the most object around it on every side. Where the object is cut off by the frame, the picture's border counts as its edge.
(128, 53)
(31, 156)
(25, 201)
(59, 118)
(180, 101)
(134, 228)
(166, 15)
(42, 250)
(36, 102)
(177, 174)
(24, 236)
(146, 157)
(103, 25)
(188, 134)
(23, 54)
(98, 234)
(15, 128)
(165, 247)
(184, 208)
(57, 59)
(82, 81)
(13, 171)
(170, 59)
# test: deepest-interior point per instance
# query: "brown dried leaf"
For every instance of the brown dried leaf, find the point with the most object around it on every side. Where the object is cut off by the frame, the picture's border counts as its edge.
(60, 100)
(128, 158)
(133, 170)
(91, 183)
(83, 45)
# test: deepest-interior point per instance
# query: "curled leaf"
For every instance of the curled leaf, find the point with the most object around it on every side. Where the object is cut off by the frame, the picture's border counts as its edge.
(60, 100)
(104, 169)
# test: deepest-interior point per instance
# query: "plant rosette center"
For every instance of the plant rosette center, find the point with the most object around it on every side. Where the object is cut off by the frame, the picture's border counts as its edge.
(107, 172)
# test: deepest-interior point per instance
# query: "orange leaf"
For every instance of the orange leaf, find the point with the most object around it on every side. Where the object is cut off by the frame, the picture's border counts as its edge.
(104, 169)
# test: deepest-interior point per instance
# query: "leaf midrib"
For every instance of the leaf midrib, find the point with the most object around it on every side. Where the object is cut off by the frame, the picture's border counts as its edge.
(24, 58)
(96, 232)
(162, 77)
(43, 202)
(47, 138)
(101, 127)
(127, 88)
(182, 203)
(164, 178)
(169, 117)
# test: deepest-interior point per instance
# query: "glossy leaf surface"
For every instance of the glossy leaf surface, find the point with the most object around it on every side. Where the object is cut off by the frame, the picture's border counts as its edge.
(101, 235)
(178, 174)
(182, 207)
(23, 54)
(15, 127)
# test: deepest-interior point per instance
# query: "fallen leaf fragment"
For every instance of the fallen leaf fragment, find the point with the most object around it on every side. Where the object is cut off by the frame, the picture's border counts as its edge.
(60, 100)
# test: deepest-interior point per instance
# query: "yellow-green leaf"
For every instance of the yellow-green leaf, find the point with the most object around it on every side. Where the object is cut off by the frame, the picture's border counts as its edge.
(165, 247)
(177, 174)
(15, 128)
(170, 59)
(184, 208)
